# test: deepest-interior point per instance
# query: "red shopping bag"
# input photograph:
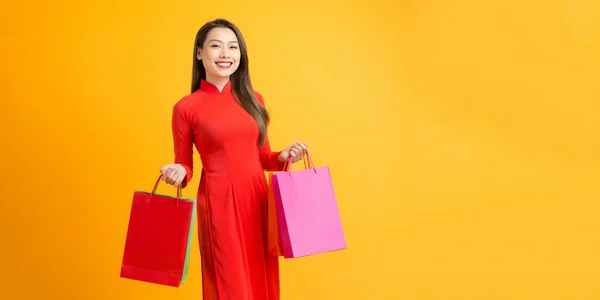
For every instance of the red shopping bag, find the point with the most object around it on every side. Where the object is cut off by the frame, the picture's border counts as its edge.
(159, 238)
(273, 233)
(274, 246)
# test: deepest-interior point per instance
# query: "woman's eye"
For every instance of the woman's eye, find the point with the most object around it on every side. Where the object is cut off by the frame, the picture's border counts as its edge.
(234, 47)
(215, 46)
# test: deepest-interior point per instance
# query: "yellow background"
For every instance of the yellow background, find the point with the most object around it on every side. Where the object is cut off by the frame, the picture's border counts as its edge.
(462, 137)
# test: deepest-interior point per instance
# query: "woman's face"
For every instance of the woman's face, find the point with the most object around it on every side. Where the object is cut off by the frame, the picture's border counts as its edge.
(220, 53)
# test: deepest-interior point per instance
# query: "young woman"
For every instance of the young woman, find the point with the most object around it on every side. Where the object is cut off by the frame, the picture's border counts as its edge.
(227, 122)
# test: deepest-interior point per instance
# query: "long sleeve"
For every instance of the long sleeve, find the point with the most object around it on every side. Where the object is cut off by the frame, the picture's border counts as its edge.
(183, 141)
(268, 158)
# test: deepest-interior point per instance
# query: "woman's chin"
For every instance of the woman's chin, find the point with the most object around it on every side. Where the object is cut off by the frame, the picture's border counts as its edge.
(221, 74)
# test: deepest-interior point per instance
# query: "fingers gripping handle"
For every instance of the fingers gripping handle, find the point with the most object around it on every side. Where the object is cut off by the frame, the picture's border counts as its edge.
(308, 162)
(156, 187)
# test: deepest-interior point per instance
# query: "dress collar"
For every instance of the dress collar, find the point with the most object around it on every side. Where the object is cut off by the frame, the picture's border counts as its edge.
(211, 88)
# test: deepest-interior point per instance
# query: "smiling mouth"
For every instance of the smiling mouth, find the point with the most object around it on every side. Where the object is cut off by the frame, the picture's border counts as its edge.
(224, 64)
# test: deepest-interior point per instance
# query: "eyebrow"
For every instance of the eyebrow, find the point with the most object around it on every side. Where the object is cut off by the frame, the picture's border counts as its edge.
(215, 40)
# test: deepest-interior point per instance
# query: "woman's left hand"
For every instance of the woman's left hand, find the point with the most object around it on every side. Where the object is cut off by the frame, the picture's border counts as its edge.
(296, 151)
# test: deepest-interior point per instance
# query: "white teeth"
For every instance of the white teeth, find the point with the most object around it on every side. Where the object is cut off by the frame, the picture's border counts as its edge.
(224, 64)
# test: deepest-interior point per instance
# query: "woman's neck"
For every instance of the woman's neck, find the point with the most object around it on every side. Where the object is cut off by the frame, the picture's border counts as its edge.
(219, 82)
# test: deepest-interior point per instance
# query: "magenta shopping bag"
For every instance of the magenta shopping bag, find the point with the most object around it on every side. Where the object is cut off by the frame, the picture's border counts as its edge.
(307, 211)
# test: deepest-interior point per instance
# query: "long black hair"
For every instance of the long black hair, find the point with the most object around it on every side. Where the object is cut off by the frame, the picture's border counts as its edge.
(240, 79)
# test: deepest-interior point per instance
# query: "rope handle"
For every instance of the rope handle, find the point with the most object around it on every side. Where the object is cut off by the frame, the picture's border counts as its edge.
(308, 162)
(156, 187)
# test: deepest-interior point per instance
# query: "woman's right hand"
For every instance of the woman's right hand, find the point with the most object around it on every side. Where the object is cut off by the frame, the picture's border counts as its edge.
(173, 174)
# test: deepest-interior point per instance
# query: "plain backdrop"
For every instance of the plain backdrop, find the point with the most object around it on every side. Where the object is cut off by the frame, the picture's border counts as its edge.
(462, 138)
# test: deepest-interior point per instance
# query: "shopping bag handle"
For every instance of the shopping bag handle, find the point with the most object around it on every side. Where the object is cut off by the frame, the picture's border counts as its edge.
(156, 187)
(308, 163)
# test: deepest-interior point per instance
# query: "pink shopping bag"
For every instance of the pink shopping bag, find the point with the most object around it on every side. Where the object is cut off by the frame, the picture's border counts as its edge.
(307, 211)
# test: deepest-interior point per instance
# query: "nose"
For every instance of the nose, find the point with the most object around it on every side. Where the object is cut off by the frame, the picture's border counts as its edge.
(225, 53)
